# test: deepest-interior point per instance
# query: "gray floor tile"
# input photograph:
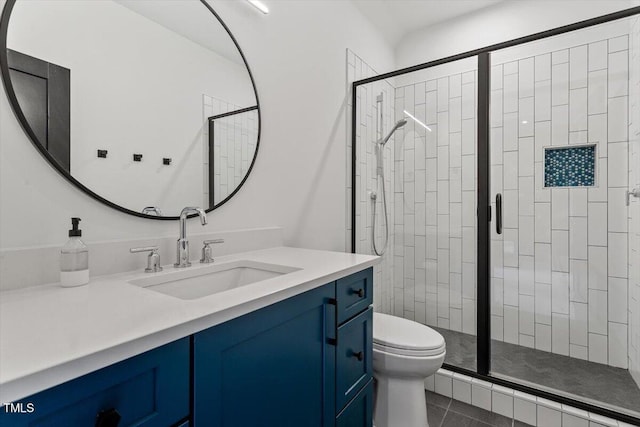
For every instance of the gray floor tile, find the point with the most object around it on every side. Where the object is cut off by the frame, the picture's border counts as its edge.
(479, 414)
(437, 400)
(453, 419)
(435, 415)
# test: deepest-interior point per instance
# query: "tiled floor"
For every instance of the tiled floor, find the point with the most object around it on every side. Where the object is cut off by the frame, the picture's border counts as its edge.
(586, 379)
(445, 412)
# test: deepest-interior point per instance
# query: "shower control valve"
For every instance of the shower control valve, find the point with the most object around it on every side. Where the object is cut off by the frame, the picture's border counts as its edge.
(373, 195)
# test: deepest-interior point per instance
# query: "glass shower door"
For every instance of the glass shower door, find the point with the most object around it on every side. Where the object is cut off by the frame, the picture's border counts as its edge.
(559, 163)
(428, 167)
(435, 203)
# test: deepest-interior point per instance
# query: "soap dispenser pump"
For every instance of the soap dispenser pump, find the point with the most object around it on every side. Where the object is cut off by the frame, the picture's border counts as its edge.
(74, 259)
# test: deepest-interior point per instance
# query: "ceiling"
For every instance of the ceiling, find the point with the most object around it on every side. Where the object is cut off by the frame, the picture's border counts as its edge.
(190, 20)
(397, 18)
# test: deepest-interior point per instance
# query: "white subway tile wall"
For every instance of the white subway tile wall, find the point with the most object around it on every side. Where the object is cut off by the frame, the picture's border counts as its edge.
(564, 260)
(366, 181)
(633, 331)
(435, 202)
(234, 147)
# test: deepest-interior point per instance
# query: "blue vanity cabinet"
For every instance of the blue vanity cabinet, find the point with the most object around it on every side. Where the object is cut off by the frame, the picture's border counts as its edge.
(150, 390)
(305, 361)
(274, 367)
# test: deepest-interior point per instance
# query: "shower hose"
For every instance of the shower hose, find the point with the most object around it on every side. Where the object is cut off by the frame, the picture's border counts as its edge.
(379, 252)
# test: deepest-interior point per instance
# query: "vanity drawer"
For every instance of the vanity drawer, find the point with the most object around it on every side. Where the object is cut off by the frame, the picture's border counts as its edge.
(354, 294)
(354, 357)
(359, 412)
(151, 389)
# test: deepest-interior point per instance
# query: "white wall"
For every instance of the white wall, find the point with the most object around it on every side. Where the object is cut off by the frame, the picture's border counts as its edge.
(504, 21)
(297, 56)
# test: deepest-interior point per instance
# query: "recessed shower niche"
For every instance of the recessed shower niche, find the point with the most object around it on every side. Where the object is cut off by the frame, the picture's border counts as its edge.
(570, 166)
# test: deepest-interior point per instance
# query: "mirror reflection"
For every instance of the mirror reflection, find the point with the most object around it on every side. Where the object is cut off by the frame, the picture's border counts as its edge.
(146, 103)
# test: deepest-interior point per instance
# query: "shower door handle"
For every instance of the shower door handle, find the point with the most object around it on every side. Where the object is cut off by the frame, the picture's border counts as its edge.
(499, 213)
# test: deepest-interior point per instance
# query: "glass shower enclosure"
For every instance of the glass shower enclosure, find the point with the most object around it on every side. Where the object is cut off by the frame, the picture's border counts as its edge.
(511, 222)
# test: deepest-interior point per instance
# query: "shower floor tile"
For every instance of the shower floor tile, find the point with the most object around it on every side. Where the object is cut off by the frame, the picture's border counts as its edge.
(601, 383)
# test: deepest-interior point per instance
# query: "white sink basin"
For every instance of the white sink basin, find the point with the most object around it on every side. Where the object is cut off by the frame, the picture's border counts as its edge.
(193, 283)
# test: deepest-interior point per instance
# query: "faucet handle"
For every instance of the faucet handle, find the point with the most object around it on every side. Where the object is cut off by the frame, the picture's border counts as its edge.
(207, 252)
(214, 241)
(153, 260)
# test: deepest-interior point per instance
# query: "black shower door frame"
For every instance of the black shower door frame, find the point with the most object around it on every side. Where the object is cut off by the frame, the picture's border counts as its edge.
(483, 259)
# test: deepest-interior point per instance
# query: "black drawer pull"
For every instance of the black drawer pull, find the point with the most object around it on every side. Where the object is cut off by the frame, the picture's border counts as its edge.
(108, 418)
(359, 292)
(359, 355)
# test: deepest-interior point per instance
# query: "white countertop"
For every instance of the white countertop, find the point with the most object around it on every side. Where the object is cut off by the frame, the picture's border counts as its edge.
(50, 334)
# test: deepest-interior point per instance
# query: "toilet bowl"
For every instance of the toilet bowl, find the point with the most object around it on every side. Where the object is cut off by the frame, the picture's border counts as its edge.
(404, 354)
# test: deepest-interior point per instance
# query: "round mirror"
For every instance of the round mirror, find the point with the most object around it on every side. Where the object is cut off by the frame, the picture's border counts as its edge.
(147, 105)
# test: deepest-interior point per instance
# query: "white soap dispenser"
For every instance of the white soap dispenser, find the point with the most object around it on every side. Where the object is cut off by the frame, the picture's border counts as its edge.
(74, 259)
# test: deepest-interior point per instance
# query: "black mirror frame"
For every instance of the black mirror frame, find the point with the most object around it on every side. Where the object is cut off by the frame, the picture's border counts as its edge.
(4, 68)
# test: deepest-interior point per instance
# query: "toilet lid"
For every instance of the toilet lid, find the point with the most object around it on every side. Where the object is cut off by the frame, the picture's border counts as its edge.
(396, 332)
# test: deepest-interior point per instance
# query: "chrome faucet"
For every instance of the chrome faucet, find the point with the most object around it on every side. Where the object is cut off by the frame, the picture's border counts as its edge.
(152, 209)
(183, 243)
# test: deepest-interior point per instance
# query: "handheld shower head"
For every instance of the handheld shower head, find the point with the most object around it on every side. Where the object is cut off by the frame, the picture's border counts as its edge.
(397, 126)
(380, 181)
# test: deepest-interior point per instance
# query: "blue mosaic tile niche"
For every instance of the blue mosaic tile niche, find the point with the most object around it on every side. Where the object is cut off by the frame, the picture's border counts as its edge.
(570, 166)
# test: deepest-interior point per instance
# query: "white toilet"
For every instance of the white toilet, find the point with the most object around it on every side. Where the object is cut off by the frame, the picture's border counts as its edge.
(404, 354)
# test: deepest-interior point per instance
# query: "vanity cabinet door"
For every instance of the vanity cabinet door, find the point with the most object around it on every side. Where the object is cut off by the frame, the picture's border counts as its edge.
(150, 390)
(271, 368)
